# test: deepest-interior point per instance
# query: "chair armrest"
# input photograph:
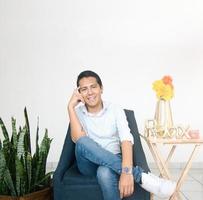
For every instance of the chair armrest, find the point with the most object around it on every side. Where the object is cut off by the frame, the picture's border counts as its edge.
(66, 159)
(138, 153)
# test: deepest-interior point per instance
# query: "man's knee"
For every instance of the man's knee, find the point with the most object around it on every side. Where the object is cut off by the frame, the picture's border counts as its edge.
(81, 139)
(87, 143)
(105, 174)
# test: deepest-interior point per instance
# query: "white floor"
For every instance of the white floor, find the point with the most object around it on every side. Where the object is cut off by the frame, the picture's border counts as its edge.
(192, 188)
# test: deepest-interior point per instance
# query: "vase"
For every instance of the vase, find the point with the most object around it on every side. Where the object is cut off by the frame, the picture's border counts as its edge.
(163, 118)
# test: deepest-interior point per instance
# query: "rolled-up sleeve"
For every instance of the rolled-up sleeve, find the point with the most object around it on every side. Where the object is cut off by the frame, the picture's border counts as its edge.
(122, 126)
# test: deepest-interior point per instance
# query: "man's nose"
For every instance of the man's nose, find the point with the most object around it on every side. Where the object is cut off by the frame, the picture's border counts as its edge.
(89, 91)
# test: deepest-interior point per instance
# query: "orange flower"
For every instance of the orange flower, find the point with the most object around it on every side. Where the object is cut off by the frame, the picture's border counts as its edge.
(167, 80)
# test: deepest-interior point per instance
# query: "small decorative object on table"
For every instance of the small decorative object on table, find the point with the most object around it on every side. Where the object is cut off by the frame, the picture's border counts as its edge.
(163, 116)
(194, 134)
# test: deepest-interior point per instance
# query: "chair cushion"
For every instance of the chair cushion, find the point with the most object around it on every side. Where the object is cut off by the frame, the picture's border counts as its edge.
(73, 177)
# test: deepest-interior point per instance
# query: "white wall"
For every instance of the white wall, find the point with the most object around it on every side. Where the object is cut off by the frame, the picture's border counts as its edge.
(44, 44)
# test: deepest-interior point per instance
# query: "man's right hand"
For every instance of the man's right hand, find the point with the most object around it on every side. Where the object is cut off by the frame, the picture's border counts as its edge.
(76, 128)
(75, 99)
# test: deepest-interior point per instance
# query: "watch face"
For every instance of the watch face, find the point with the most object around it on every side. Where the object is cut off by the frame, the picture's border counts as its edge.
(127, 170)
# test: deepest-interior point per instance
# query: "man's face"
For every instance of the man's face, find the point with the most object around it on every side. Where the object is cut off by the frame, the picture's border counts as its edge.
(90, 91)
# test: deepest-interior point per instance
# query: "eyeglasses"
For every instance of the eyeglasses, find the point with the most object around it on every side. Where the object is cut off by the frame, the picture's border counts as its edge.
(85, 90)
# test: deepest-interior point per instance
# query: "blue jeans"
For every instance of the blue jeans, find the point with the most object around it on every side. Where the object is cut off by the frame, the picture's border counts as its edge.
(93, 160)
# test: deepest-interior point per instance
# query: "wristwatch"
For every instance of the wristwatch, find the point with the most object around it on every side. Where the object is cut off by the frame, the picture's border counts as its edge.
(127, 170)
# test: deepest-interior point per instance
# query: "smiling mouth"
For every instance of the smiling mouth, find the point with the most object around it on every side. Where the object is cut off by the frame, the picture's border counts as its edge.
(91, 98)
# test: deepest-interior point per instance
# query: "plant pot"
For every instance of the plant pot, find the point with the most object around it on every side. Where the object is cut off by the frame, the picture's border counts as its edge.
(45, 194)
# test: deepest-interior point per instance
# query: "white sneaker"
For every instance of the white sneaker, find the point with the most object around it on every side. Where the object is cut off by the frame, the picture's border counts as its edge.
(163, 188)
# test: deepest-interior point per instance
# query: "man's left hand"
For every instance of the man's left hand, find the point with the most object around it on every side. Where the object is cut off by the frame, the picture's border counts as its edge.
(126, 185)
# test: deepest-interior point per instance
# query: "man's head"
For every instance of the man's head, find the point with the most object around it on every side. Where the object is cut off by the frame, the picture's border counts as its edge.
(90, 87)
(89, 73)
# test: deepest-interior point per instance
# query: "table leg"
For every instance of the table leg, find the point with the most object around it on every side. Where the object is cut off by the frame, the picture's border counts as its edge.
(156, 159)
(170, 154)
(164, 170)
(185, 171)
(187, 167)
(151, 196)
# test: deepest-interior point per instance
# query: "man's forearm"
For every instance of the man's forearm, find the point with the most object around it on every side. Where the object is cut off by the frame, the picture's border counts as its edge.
(127, 154)
(76, 128)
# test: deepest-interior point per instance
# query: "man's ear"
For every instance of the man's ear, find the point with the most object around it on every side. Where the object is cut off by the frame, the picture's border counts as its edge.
(101, 89)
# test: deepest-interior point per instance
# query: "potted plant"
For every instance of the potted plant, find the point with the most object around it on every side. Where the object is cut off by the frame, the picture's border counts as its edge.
(23, 174)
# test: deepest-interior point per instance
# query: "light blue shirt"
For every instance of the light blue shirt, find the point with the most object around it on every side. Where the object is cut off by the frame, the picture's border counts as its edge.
(108, 128)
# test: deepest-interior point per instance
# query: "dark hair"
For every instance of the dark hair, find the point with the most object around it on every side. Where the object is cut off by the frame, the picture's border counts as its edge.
(89, 73)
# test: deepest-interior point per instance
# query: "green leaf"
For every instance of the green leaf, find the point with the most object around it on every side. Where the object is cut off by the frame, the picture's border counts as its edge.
(3, 188)
(14, 134)
(2, 165)
(45, 179)
(5, 174)
(19, 175)
(6, 142)
(20, 144)
(27, 136)
(29, 170)
(4, 130)
(43, 153)
(37, 138)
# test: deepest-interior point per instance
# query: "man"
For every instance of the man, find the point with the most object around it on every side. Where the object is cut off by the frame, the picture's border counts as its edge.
(104, 143)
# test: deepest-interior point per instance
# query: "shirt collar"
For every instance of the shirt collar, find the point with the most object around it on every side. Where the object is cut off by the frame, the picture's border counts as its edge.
(100, 113)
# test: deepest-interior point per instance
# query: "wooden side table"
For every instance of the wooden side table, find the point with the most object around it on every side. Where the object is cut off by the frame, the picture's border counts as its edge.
(162, 163)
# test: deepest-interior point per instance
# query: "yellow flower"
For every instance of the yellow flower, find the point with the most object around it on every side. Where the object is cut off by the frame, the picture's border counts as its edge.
(163, 89)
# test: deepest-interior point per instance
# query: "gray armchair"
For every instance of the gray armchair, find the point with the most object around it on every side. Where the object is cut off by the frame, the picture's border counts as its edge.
(69, 184)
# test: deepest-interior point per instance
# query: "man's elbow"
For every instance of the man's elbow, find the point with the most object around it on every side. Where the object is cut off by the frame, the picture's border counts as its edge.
(76, 136)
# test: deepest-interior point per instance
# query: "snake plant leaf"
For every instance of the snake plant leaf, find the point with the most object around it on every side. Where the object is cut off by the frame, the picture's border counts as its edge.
(23, 188)
(20, 144)
(6, 176)
(19, 175)
(6, 141)
(13, 149)
(14, 134)
(7, 150)
(4, 130)
(20, 161)
(46, 178)
(2, 165)
(43, 153)
(27, 136)
(37, 138)
(9, 182)
(39, 168)
(3, 188)
(29, 170)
